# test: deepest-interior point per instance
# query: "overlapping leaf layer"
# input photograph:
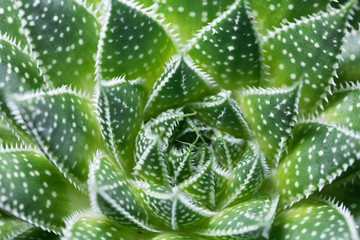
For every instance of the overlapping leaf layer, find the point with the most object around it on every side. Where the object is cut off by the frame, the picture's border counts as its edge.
(160, 119)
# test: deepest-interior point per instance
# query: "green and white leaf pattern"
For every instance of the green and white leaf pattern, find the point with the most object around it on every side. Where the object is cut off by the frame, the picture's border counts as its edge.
(161, 119)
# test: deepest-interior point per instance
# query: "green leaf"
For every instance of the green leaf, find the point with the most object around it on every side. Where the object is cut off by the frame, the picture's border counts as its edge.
(228, 150)
(113, 195)
(343, 106)
(349, 67)
(172, 207)
(222, 112)
(64, 34)
(178, 236)
(228, 48)
(62, 123)
(18, 72)
(314, 219)
(201, 185)
(188, 17)
(246, 178)
(133, 42)
(90, 225)
(10, 22)
(269, 14)
(181, 83)
(151, 144)
(318, 155)
(34, 190)
(120, 107)
(307, 49)
(271, 114)
(9, 135)
(179, 163)
(248, 219)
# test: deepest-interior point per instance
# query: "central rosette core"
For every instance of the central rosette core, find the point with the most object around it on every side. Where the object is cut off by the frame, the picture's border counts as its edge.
(186, 170)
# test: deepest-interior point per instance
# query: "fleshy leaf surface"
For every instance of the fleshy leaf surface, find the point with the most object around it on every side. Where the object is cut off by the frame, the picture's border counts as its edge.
(228, 48)
(64, 35)
(343, 107)
(222, 112)
(181, 83)
(35, 191)
(246, 178)
(62, 123)
(172, 207)
(113, 195)
(134, 43)
(269, 13)
(248, 219)
(314, 219)
(90, 225)
(121, 106)
(271, 115)
(318, 154)
(307, 50)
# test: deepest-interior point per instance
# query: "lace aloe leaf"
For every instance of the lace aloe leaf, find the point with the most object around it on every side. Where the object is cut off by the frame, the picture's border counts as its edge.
(64, 36)
(179, 163)
(307, 49)
(270, 14)
(8, 135)
(349, 67)
(18, 73)
(228, 150)
(35, 191)
(319, 153)
(246, 178)
(57, 134)
(181, 83)
(249, 219)
(232, 59)
(120, 107)
(138, 47)
(91, 225)
(15, 229)
(201, 185)
(314, 219)
(222, 112)
(10, 22)
(173, 208)
(271, 114)
(343, 106)
(151, 143)
(113, 195)
(348, 196)
(188, 17)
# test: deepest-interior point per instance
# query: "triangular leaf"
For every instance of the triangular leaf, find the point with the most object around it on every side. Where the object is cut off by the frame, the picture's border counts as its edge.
(228, 48)
(318, 154)
(172, 207)
(34, 190)
(222, 112)
(61, 121)
(307, 49)
(246, 177)
(249, 219)
(133, 42)
(65, 36)
(181, 83)
(271, 114)
(120, 107)
(113, 195)
(314, 219)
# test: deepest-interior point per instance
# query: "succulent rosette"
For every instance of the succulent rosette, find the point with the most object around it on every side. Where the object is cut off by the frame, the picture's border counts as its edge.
(160, 119)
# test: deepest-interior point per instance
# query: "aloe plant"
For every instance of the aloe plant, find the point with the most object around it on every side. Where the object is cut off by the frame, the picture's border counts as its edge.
(160, 119)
